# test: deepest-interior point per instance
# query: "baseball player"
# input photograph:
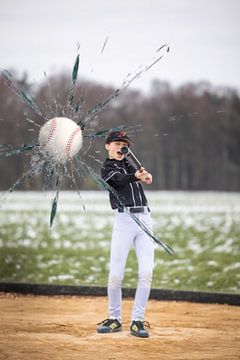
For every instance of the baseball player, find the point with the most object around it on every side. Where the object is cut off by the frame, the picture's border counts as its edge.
(126, 181)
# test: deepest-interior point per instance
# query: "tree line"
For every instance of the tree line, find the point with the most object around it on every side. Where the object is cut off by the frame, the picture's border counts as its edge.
(187, 137)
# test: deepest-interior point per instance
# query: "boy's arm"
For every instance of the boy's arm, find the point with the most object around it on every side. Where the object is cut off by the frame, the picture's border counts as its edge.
(114, 177)
(111, 175)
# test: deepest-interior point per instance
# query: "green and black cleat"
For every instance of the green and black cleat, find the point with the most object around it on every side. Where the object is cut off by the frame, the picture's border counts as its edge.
(109, 326)
(137, 328)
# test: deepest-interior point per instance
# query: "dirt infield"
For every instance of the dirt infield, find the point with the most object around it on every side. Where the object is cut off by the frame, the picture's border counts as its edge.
(64, 327)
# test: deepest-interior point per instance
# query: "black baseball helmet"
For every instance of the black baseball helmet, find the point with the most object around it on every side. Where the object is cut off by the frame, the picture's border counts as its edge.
(118, 136)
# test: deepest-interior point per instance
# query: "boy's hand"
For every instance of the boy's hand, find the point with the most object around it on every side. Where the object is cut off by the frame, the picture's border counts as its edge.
(143, 175)
(148, 179)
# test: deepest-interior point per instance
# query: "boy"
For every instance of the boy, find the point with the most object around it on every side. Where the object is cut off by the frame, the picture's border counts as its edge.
(126, 181)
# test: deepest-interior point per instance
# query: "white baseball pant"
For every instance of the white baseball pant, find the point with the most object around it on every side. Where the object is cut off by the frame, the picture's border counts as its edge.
(126, 232)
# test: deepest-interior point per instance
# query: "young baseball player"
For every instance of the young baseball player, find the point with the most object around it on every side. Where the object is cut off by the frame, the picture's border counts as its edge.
(126, 181)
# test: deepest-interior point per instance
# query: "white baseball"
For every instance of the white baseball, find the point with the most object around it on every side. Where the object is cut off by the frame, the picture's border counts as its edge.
(60, 139)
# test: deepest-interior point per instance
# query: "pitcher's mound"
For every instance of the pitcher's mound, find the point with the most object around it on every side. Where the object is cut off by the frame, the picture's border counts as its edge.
(64, 327)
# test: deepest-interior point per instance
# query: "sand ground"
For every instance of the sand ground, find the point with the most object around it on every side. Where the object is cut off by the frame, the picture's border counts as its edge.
(64, 327)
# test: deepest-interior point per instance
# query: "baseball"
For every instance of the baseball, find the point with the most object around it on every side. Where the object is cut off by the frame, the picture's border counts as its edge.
(60, 139)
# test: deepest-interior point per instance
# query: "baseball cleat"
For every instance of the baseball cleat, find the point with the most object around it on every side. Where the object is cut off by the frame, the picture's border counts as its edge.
(137, 329)
(109, 326)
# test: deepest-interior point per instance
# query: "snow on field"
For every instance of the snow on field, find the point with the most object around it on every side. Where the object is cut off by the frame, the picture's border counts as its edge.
(202, 227)
(160, 201)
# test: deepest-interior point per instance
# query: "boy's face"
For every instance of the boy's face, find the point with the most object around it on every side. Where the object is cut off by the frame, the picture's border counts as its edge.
(114, 149)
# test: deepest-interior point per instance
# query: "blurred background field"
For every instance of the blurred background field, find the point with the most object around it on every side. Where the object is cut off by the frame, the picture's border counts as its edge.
(202, 227)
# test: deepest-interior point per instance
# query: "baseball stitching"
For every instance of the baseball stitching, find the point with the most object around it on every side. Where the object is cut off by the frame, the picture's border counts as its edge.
(52, 131)
(70, 141)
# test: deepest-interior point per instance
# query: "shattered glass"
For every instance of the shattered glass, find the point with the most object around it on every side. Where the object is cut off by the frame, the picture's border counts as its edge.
(54, 172)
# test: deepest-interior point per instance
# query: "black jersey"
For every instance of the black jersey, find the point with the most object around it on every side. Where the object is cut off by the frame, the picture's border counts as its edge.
(120, 176)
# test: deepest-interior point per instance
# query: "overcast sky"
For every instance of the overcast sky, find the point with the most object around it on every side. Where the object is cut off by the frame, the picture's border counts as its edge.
(204, 39)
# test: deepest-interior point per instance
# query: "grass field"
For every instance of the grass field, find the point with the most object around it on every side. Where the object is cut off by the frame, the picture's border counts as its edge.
(202, 227)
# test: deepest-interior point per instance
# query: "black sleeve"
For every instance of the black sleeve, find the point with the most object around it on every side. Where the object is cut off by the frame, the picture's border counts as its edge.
(112, 175)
